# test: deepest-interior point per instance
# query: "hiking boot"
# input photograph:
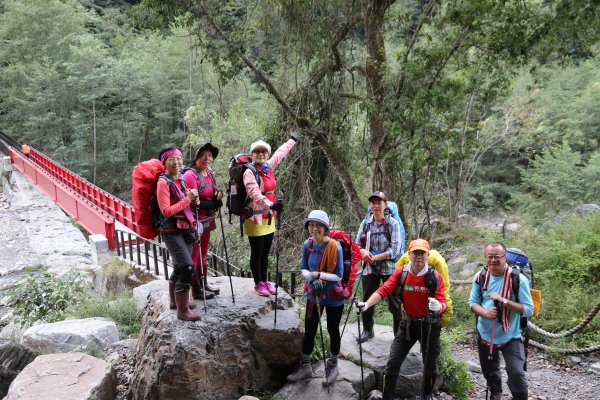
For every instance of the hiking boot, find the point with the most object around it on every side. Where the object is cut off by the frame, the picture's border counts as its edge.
(172, 304)
(389, 387)
(209, 288)
(261, 289)
(300, 371)
(197, 292)
(429, 396)
(331, 373)
(184, 313)
(496, 396)
(366, 335)
(519, 396)
(270, 287)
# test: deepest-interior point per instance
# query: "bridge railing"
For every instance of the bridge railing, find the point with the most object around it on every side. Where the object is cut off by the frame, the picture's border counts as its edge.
(107, 202)
(90, 217)
(153, 256)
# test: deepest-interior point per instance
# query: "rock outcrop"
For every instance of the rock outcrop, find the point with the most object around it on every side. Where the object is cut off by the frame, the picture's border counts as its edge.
(86, 335)
(234, 346)
(70, 376)
(13, 358)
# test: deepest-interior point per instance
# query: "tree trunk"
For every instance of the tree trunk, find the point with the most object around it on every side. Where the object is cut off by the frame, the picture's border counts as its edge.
(374, 13)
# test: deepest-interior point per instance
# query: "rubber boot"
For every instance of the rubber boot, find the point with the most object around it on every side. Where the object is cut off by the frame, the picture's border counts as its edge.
(172, 304)
(197, 289)
(208, 288)
(182, 299)
(389, 387)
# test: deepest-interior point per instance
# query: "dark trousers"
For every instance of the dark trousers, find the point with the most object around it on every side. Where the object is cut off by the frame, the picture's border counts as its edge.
(409, 332)
(514, 358)
(179, 244)
(370, 285)
(311, 324)
(260, 246)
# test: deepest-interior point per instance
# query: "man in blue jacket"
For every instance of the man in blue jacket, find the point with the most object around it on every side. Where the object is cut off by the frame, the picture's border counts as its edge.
(499, 323)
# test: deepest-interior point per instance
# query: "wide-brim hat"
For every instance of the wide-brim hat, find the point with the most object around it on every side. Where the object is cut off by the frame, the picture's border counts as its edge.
(317, 216)
(205, 146)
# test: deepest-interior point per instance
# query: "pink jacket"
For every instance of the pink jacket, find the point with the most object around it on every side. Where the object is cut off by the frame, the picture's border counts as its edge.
(257, 200)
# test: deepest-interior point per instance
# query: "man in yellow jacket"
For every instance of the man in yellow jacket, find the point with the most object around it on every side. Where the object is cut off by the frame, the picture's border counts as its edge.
(436, 260)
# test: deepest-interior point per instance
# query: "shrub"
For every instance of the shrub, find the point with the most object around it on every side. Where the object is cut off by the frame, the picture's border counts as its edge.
(122, 310)
(45, 295)
(454, 372)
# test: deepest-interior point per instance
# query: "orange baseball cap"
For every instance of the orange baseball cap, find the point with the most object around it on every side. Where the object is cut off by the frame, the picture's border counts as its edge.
(418, 244)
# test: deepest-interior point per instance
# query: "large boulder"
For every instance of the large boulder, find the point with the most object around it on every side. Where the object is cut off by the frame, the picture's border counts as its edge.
(87, 335)
(234, 346)
(348, 384)
(13, 358)
(67, 376)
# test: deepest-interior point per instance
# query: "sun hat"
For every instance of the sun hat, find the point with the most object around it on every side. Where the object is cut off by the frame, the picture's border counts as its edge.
(317, 216)
(260, 144)
(418, 244)
(205, 146)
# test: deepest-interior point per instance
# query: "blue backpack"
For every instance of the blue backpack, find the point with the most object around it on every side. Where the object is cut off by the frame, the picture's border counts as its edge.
(390, 211)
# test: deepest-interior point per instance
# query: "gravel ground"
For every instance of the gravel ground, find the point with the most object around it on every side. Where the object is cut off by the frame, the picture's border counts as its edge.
(548, 379)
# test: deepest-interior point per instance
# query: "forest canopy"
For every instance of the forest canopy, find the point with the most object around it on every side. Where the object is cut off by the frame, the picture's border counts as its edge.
(448, 106)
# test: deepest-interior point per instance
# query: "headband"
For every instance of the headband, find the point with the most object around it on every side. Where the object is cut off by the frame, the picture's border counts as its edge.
(170, 153)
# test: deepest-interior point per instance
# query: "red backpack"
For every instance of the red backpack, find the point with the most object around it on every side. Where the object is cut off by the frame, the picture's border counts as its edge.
(351, 255)
(143, 190)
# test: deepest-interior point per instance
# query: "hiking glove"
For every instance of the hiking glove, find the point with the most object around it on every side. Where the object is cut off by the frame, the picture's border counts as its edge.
(277, 206)
(295, 134)
(361, 306)
(317, 285)
(434, 305)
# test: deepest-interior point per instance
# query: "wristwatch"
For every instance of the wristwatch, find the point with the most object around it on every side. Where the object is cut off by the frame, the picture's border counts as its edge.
(504, 301)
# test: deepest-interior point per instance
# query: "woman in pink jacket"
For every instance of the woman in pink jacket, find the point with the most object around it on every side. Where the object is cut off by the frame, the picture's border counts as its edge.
(260, 226)
(200, 176)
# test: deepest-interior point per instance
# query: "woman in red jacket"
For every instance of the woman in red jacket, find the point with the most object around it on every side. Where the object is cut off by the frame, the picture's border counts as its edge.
(177, 228)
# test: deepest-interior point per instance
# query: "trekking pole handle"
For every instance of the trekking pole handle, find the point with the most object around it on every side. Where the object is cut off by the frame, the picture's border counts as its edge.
(498, 306)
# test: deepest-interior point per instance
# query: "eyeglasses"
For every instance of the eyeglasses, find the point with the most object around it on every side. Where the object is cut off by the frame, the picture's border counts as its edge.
(261, 151)
(495, 257)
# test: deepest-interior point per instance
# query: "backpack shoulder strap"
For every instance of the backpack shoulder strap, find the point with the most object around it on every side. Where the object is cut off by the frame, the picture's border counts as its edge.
(516, 281)
(250, 165)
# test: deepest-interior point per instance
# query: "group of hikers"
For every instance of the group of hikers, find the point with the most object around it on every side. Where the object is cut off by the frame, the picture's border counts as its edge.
(417, 293)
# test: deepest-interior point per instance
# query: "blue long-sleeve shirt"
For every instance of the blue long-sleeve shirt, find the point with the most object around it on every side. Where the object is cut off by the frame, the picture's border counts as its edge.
(310, 262)
(484, 325)
(379, 243)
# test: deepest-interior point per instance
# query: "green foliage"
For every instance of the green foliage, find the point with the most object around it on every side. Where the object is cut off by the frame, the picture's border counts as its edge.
(565, 254)
(45, 296)
(454, 373)
(122, 310)
(553, 181)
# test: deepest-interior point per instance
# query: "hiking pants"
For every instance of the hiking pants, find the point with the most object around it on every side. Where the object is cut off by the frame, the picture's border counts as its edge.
(260, 246)
(514, 358)
(311, 324)
(179, 244)
(371, 283)
(200, 250)
(409, 332)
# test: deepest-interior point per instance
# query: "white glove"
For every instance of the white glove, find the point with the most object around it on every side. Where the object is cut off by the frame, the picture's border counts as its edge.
(360, 307)
(434, 305)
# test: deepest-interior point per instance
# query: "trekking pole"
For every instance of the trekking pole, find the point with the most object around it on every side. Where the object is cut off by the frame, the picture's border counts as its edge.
(362, 271)
(352, 302)
(200, 277)
(362, 374)
(226, 256)
(491, 354)
(316, 295)
(278, 225)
